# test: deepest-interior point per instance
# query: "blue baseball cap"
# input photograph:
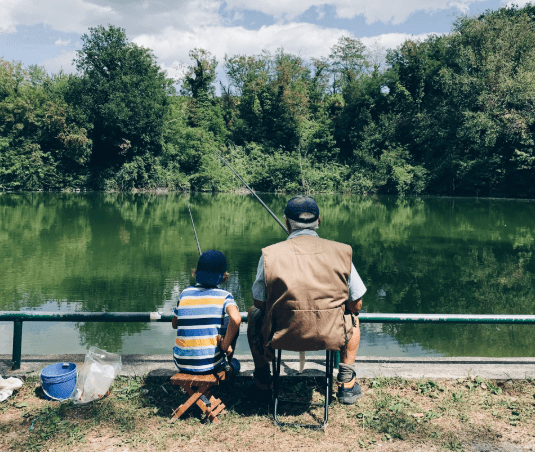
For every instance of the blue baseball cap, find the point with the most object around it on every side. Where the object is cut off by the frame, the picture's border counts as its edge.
(299, 205)
(211, 267)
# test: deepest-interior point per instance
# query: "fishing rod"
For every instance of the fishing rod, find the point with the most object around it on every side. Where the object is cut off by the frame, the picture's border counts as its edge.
(227, 363)
(194, 230)
(253, 193)
(301, 354)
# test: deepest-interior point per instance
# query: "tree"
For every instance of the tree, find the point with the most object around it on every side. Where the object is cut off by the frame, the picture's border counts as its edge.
(43, 145)
(348, 62)
(199, 78)
(125, 95)
(470, 98)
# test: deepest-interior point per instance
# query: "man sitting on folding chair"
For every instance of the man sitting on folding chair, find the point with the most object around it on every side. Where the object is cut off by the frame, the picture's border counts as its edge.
(307, 296)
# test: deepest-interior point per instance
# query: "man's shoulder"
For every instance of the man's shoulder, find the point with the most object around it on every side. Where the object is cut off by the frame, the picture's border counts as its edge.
(334, 243)
(313, 239)
(275, 246)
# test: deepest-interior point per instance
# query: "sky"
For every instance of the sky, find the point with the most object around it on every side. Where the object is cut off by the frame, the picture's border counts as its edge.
(48, 32)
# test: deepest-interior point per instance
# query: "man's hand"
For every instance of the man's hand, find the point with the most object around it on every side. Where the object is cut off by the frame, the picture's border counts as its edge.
(355, 305)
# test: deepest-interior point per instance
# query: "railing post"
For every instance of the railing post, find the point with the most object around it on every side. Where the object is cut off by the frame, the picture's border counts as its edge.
(17, 344)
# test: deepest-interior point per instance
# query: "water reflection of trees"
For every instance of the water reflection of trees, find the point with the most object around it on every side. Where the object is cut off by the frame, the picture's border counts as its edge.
(468, 257)
(126, 252)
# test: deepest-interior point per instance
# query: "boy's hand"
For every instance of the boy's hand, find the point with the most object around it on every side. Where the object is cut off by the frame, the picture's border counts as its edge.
(220, 341)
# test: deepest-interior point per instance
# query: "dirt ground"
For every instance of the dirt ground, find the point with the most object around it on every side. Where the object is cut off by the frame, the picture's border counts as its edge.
(394, 415)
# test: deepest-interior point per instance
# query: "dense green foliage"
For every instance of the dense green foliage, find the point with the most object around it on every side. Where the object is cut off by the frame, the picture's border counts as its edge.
(452, 115)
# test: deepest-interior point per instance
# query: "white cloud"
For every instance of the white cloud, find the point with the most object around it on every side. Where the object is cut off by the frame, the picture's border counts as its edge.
(61, 62)
(520, 3)
(276, 8)
(7, 22)
(62, 15)
(395, 11)
(136, 17)
(304, 39)
(172, 28)
(320, 12)
(172, 46)
(147, 17)
(392, 40)
(307, 40)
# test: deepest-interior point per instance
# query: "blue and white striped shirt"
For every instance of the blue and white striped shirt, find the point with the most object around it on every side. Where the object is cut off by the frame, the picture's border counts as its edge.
(201, 315)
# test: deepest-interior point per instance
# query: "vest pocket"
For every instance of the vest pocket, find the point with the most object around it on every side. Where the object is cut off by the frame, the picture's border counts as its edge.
(306, 330)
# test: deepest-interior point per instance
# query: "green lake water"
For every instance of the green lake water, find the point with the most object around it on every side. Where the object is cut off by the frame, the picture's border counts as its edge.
(124, 252)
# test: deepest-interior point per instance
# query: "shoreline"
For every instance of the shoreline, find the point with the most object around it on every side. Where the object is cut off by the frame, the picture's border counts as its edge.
(135, 365)
(244, 192)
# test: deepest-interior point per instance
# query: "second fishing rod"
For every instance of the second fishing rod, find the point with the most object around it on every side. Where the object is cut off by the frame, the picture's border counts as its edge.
(254, 194)
(228, 366)
(285, 229)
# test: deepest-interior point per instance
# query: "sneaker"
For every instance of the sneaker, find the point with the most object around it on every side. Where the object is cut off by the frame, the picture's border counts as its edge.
(206, 401)
(348, 393)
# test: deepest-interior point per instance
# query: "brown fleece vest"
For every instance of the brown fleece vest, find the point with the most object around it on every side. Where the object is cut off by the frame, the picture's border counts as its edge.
(306, 288)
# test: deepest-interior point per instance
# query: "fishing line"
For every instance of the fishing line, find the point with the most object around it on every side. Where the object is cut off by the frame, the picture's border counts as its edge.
(301, 354)
(194, 230)
(253, 193)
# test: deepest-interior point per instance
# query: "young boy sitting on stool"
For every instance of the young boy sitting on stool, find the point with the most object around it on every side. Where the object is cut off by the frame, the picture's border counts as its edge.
(207, 320)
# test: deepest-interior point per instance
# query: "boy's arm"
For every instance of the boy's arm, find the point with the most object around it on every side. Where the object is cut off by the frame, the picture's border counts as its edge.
(232, 329)
(174, 322)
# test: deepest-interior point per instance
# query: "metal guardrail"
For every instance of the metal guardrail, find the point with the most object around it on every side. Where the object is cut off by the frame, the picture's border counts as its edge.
(18, 317)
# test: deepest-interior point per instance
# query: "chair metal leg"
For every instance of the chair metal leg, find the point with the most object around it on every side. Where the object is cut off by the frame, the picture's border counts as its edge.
(329, 366)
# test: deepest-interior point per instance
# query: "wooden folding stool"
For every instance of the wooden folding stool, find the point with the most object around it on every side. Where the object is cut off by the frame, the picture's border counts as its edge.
(202, 384)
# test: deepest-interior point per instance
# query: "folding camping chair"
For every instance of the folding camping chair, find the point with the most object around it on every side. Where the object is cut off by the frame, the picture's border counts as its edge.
(329, 368)
(197, 386)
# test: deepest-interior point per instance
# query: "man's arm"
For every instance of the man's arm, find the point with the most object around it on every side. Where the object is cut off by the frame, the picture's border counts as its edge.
(174, 322)
(356, 290)
(232, 330)
(259, 286)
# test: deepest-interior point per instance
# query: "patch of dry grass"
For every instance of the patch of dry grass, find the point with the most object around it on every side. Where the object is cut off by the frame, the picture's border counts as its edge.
(394, 415)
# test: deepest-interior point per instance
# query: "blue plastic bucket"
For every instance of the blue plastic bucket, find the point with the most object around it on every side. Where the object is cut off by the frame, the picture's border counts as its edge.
(59, 380)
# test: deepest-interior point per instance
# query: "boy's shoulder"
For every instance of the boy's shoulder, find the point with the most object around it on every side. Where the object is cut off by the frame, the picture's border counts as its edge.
(199, 291)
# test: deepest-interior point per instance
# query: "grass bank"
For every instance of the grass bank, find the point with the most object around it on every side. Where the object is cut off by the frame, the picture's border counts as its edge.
(394, 415)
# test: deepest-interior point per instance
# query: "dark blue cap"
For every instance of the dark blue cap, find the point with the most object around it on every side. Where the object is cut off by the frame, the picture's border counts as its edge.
(211, 267)
(299, 205)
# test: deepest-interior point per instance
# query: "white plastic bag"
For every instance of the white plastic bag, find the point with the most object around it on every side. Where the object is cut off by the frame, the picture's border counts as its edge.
(7, 386)
(97, 375)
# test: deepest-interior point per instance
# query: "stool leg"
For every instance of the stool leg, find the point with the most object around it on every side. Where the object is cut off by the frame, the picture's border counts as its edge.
(194, 396)
(215, 408)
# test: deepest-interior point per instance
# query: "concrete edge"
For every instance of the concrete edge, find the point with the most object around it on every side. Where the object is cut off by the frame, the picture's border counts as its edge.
(365, 366)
